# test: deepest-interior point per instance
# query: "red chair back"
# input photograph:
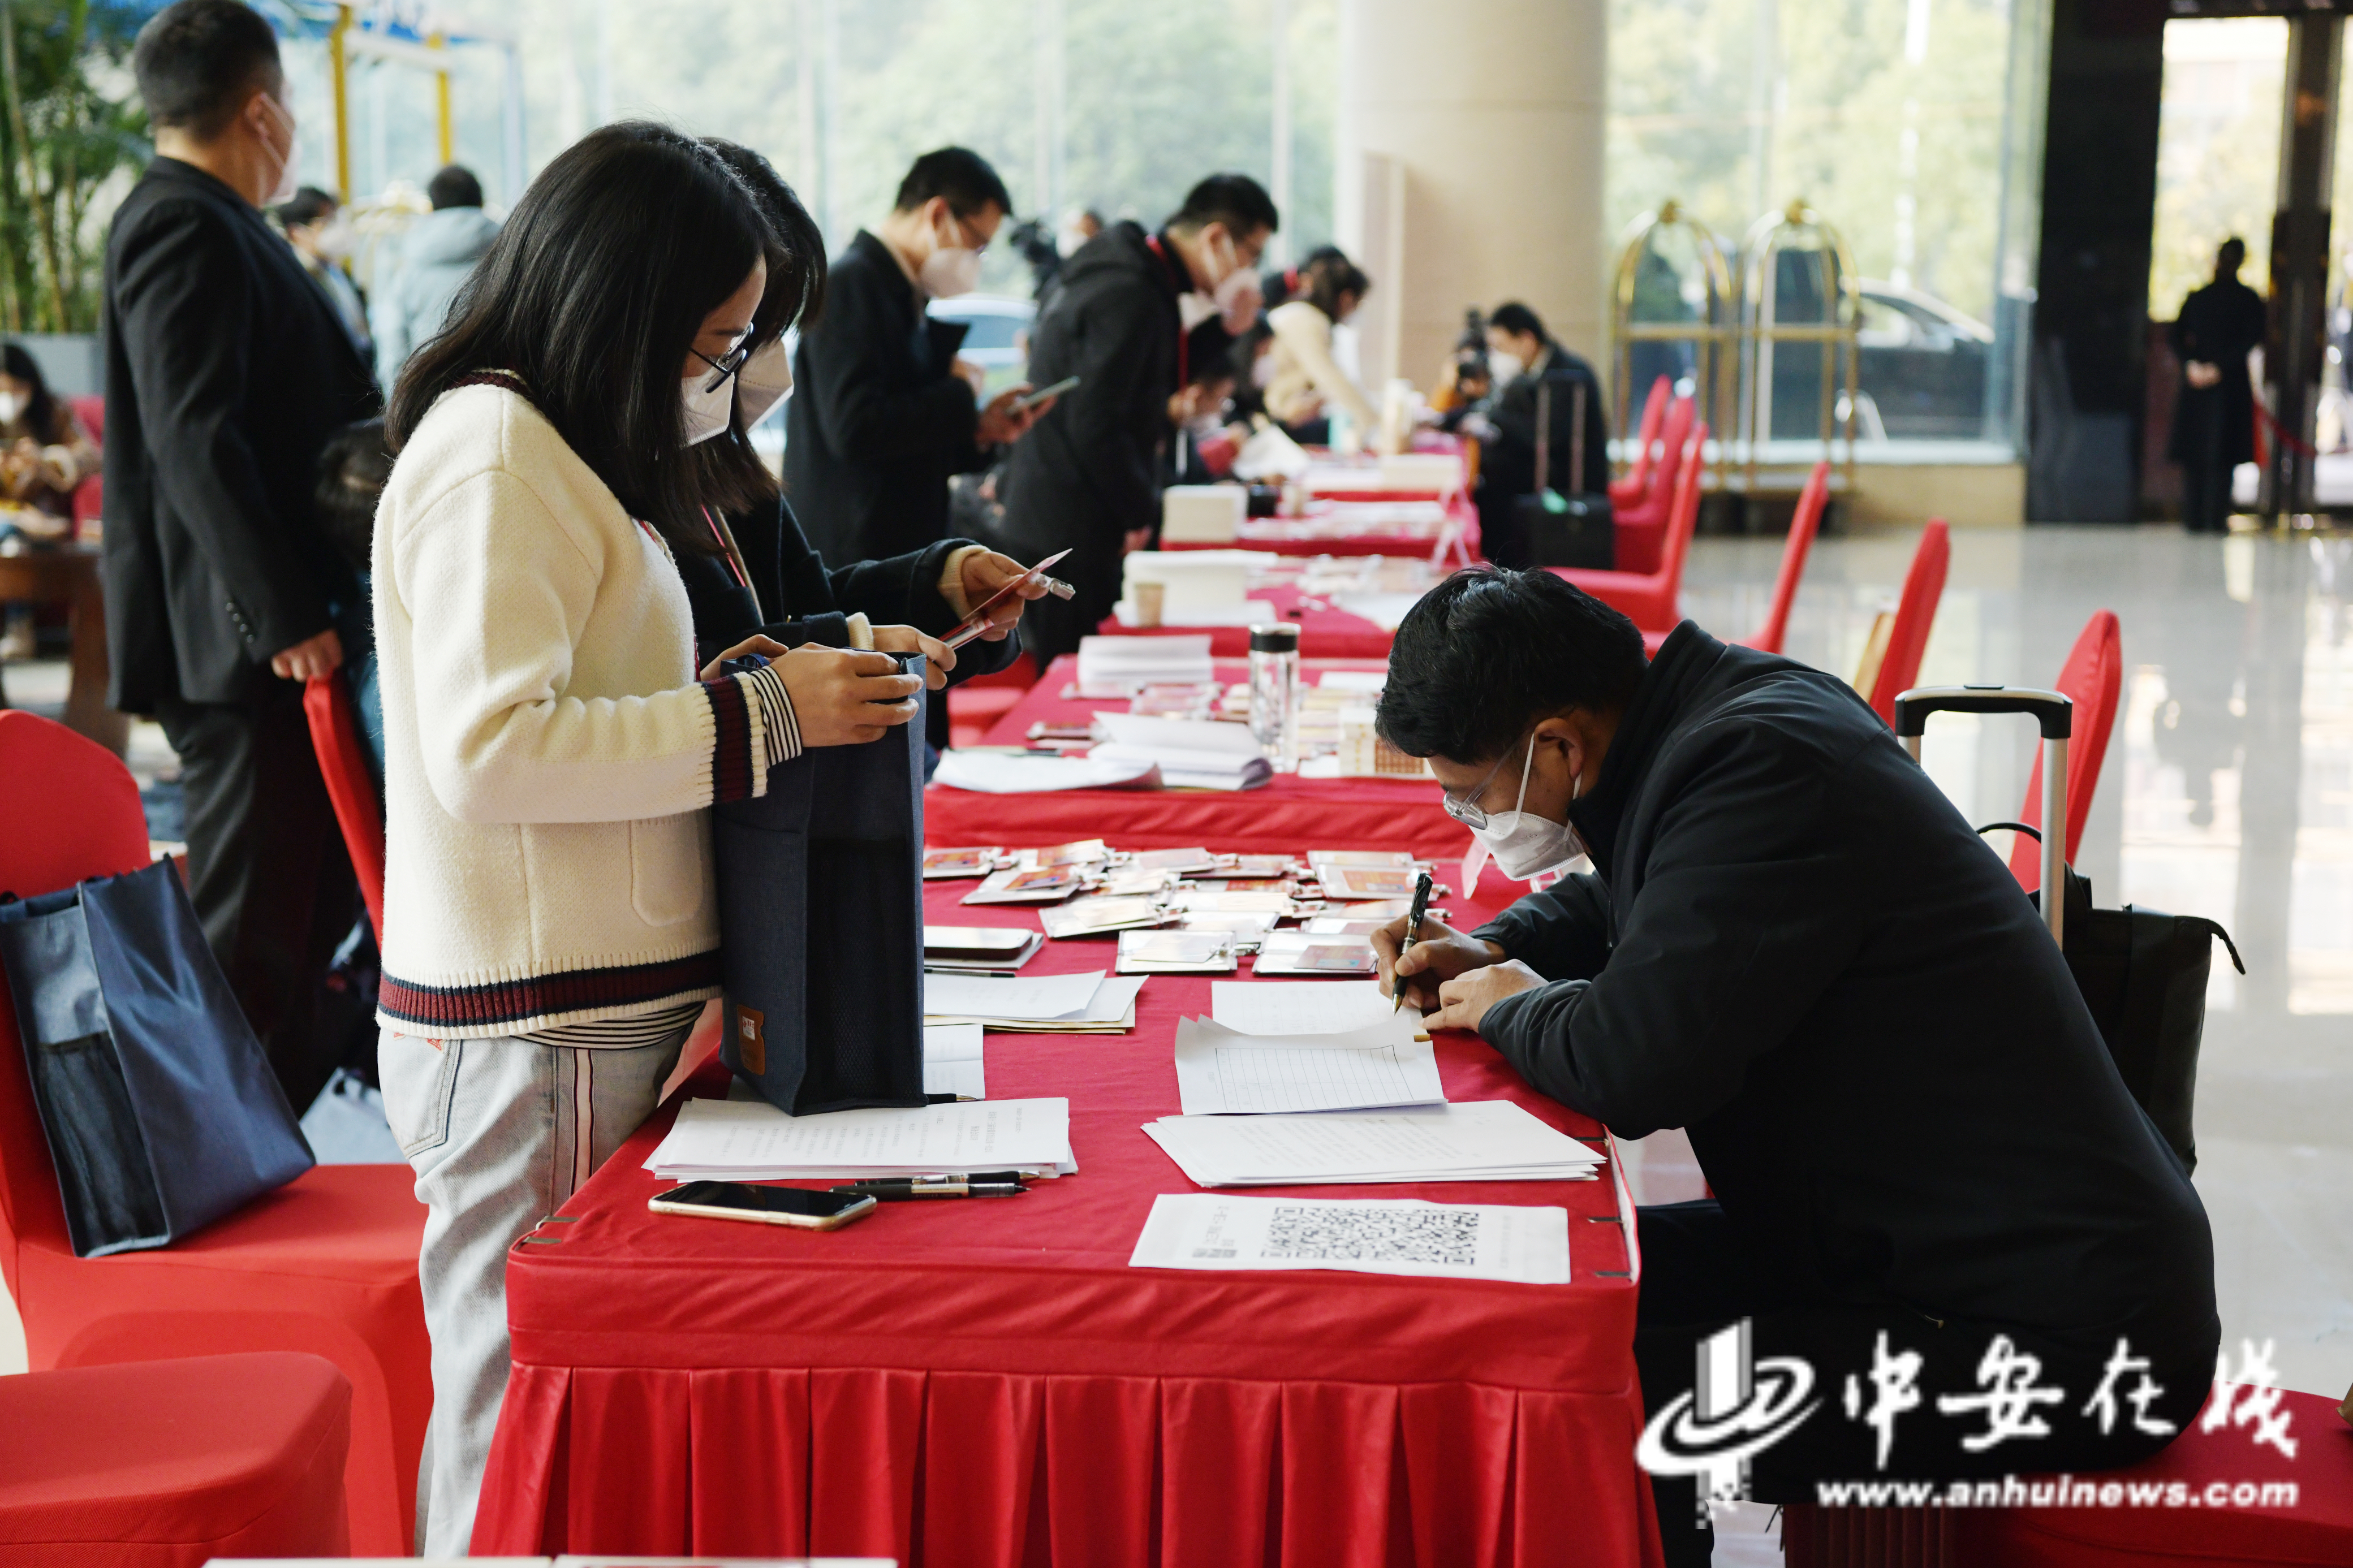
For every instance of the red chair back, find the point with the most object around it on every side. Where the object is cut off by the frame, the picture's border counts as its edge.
(1658, 494)
(1684, 518)
(335, 736)
(72, 813)
(1803, 524)
(1636, 482)
(1924, 586)
(2094, 677)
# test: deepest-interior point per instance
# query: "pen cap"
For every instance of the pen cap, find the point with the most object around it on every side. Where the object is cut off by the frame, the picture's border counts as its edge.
(1274, 639)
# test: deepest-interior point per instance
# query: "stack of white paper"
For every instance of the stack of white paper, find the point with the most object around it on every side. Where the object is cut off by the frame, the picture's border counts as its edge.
(1033, 773)
(1200, 753)
(1221, 1073)
(752, 1141)
(1484, 1140)
(1117, 666)
(1363, 1235)
(1090, 1004)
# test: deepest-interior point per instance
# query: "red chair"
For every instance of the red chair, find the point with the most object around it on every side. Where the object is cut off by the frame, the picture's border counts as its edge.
(975, 705)
(170, 1464)
(351, 787)
(1638, 532)
(2094, 678)
(327, 1264)
(1635, 482)
(1804, 523)
(1915, 612)
(1649, 598)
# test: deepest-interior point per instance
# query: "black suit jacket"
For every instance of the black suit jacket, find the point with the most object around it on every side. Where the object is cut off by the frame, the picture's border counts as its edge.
(226, 371)
(878, 421)
(1794, 947)
(1089, 471)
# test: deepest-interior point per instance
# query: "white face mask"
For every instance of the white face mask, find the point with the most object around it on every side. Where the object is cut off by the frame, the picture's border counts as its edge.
(1524, 845)
(1503, 368)
(12, 407)
(952, 268)
(290, 174)
(763, 381)
(708, 408)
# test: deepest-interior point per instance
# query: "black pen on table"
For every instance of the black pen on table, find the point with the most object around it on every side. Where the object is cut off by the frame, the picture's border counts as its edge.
(1412, 935)
(898, 1189)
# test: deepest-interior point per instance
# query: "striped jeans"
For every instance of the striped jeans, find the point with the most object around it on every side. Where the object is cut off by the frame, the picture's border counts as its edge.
(501, 1132)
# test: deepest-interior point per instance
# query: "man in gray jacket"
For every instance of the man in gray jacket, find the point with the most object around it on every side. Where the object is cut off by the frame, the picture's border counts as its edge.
(435, 256)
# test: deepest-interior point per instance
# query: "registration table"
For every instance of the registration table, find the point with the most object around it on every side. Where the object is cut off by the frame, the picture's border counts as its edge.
(1286, 814)
(1330, 529)
(987, 1382)
(1325, 630)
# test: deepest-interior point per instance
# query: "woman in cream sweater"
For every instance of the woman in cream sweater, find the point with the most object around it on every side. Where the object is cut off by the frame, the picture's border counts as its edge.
(550, 747)
(1306, 382)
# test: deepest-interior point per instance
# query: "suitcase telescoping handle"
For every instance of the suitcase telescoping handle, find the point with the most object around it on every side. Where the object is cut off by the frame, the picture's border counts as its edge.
(2056, 713)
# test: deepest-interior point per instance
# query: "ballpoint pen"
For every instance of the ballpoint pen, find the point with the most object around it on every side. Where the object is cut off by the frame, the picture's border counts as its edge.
(1412, 934)
(906, 1189)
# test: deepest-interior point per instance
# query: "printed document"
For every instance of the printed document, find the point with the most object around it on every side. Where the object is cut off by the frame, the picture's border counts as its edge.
(1220, 1072)
(1399, 1236)
(1298, 1006)
(1478, 1141)
(952, 1062)
(752, 1141)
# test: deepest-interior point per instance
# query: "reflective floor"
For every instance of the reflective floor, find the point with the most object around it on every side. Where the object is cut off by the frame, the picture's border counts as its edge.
(2227, 792)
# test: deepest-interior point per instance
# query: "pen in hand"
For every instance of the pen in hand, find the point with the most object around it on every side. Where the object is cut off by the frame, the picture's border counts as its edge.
(1412, 934)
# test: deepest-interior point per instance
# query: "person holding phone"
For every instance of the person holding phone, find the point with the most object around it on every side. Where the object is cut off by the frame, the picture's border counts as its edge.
(887, 412)
(762, 578)
(551, 749)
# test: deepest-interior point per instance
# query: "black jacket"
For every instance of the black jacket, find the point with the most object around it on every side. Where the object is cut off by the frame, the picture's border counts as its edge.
(1507, 460)
(1088, 472)
(226, 371)
(2219, 324)
(1796, 948)
(795, 597)
(878, 421)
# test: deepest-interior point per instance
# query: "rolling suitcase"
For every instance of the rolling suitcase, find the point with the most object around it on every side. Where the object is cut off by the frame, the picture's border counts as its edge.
(2142, 971)
(1576, 530)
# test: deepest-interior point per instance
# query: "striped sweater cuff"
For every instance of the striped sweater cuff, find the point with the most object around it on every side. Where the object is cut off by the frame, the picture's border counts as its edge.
(753, 727)
(780, 728)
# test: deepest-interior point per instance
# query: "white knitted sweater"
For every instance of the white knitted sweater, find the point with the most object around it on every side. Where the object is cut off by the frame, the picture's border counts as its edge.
(548, 750)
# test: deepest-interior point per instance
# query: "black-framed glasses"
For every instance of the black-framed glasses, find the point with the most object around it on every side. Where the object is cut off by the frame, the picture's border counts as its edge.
(726, 365)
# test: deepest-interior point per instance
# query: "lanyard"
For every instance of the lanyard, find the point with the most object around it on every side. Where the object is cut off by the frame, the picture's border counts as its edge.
(725, 538)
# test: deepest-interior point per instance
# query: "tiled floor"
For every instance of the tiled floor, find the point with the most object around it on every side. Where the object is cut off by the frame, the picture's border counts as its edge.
(2227, 791)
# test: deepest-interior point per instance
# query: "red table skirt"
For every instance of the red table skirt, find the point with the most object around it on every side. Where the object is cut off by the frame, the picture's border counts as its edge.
(1286, 814)
(1011, 1468)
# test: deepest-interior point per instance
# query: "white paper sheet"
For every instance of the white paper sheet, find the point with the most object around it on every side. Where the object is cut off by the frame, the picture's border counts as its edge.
(1481, 1140)
(1023, 772)
(1376, 1236)
(733, 1139)
(1297, 1006)
(952, 1060)
(1386, 611)
(1039, 996)
(1221, 1073)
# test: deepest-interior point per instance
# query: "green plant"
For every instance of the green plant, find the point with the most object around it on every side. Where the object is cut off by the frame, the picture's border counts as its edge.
(68, 124)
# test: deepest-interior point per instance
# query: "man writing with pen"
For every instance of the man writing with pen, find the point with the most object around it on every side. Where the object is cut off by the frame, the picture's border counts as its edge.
(1926, 1170)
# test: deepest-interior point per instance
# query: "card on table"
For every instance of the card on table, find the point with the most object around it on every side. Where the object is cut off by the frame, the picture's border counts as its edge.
(943, 863)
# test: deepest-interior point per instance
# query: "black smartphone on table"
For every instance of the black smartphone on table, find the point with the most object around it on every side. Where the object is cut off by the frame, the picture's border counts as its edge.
(796, 1206)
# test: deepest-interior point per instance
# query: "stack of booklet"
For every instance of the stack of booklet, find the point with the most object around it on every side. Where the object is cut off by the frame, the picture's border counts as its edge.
(1194, 753)
(1092, 1004)
(752, 1141)
(1482, 1140)
(1119, 666)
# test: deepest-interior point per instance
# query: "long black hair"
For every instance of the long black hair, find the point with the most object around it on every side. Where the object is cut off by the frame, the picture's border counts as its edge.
(795, 292)
(592, 294)
(41, 408)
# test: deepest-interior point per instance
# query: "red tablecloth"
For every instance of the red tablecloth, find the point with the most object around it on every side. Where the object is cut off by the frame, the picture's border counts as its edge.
(1282, 536)
(1287, 814)
(987, 1382)
(1324, 633)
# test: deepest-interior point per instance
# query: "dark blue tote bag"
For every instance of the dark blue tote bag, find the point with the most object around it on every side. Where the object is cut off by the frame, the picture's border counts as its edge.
(162, 1112)
(821, 926)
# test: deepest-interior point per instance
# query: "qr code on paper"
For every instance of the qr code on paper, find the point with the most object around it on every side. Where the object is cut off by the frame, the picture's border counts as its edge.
(1373, 1234)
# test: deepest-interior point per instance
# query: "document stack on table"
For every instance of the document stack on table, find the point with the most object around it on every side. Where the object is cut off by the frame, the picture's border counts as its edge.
(1220, 1072)
(1482, 1140)
(1121, 667)
(752, 1141)
(1093, 1003)
(1191, 754)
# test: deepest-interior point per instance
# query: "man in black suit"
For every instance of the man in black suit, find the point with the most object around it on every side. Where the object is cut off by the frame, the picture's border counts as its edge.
(1507, 461)
(886, 413)
(226, 371)
(1129, 312)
